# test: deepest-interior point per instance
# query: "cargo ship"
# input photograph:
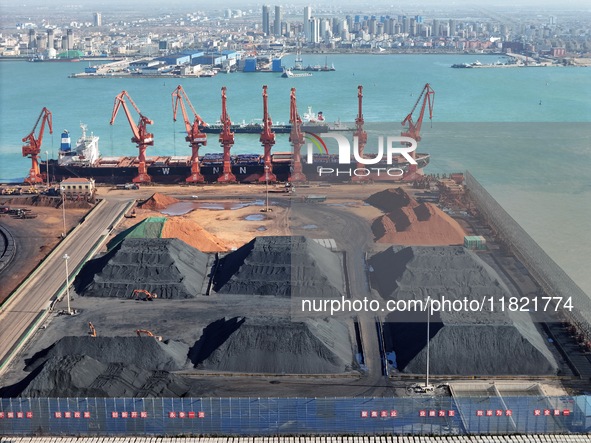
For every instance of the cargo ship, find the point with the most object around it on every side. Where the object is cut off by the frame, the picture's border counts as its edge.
(85, 161)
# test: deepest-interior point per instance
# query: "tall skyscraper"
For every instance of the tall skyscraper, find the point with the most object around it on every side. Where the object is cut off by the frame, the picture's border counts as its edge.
(266, 20)
(307, 17)
(277, 24)
(98, 19)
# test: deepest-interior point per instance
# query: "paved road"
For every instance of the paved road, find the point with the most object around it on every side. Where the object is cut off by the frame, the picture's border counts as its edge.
(353, 235)
(34, 297)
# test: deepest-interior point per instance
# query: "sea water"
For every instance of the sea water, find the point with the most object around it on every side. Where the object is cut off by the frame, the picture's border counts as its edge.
(525, 133)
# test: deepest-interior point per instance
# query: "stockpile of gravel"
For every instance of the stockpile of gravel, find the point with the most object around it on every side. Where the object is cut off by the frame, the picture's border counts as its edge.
(487, 342)
(281, 266)
(83, 376)
(167, 267)
(143, 352)
(274, 345)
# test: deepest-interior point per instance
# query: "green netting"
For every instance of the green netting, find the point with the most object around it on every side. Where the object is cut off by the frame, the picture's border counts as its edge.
(151, 227)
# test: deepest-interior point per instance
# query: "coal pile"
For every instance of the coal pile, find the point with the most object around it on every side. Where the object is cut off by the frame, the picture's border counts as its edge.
(462, 342)
(281, 266)
(274, 345)
(83, 376)
(167, 267)
(142, 352)
(407, 222)
(389, 199)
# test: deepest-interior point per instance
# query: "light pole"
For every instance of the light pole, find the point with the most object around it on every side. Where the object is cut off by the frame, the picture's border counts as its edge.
(428, 318)
(266, 188)
(63, 189)
(66, 257)
(47, 170)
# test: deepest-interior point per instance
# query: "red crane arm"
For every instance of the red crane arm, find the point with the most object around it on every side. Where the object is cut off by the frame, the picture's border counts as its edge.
(414, 129)
(33, 146)
(359, 120)
(267, 135)
(226, 136)
(295, 120)
(194, 134)
(139, 131)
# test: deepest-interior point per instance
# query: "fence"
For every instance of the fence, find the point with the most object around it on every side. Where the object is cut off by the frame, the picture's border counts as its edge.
(553, 280)
(295, 416)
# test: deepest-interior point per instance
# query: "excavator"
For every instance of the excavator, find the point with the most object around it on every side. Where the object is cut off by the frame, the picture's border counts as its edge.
(148, 296)
(139, 333)
(91, 330)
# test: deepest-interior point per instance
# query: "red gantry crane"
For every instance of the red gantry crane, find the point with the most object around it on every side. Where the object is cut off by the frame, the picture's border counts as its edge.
(268, 140)
(360, 133)
(414, 129)
(226, 141)
(33, 146)
(296, 137)
(141, 136)
(194, 135)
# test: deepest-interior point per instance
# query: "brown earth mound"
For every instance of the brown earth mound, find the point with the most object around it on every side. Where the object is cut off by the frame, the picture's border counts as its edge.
(158, 201)
(193, 234)
(408, 222)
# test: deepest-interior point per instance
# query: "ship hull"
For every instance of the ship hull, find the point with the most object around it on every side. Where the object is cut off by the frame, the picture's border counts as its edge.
(245, 173)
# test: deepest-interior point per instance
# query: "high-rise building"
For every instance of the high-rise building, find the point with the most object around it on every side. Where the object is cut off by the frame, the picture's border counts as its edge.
(50, 38)
(266, 20)
(69, 39)
(277, 24)
(98, 19)
(32, 39)
(435, 30)
(307, 18)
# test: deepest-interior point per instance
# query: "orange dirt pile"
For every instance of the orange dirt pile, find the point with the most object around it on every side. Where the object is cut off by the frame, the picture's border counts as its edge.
(410, 223)
(193, 234)
(158, 201)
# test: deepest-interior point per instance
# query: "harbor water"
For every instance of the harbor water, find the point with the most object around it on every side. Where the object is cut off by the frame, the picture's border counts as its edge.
(524, 133)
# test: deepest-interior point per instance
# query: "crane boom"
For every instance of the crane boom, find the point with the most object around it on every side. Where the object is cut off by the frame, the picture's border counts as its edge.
(226, 140)
(360, 136)
(268, 140)
(296, 137)
(195, 137)
(141, 136)
(33, 145)
(414, 128)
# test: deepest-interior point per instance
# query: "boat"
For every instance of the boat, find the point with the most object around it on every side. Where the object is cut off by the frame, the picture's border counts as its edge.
(85, 161)
(245, 128)
(287, 73)
(312, 122)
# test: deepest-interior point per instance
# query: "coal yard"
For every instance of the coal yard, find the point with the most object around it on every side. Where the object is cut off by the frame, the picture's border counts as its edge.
(172, 306)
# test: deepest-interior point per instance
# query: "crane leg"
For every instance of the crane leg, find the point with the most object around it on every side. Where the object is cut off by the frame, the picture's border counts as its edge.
(142, 176)
(297, 175)
(227, 175)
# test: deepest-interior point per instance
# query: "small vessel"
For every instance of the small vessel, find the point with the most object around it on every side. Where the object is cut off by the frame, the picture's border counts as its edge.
(287, 73)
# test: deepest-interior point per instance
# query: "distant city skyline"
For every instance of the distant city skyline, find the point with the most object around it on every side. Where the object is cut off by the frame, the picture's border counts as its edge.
(449, 4)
